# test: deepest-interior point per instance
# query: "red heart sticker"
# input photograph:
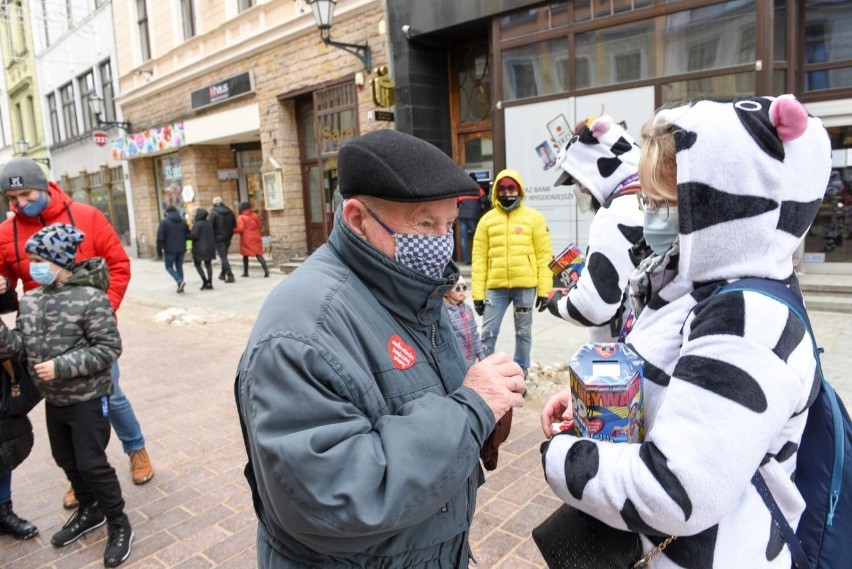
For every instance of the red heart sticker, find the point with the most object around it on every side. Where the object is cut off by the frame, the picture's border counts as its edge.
(519, 230)
(594, 425)
(401, 354)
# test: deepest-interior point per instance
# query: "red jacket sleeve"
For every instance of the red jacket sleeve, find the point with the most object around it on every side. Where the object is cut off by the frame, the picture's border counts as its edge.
(108, 246)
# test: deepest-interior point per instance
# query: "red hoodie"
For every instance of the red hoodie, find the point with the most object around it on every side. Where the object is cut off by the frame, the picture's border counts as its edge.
(101, 241)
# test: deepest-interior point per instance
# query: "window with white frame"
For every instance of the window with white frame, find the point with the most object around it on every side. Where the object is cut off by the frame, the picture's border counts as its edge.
(244, 5)
(107, 90)
(142, 28)
(53, 111)
(86, 87)
(17, 31)
(69, 110)
(187, 14)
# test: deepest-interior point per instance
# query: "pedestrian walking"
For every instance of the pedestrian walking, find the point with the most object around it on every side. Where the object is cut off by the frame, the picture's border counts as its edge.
(171, 244)
(250, 227)
(224, 222)
(203, 247)
(470, 210)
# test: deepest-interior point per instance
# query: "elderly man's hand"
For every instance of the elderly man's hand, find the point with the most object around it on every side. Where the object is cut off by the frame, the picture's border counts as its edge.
(499, 381)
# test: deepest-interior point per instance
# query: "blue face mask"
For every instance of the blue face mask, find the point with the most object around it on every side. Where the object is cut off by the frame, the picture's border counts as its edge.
(41, 273)
(660, 232)
(33, 209)
(425, 254)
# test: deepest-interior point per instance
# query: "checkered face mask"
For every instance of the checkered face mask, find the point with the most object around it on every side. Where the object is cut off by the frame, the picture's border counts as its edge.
(426, 254)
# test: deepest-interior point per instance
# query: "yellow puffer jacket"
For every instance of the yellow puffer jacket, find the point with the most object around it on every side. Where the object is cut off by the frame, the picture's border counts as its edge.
(511, 249)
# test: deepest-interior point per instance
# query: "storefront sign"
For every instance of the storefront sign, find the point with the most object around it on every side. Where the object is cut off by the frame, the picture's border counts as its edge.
(384, 88)
(100, 137)
(222, 91)
(383, 116)
(225, 174)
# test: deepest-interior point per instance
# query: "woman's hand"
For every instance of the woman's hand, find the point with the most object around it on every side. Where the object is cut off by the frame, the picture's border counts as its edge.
(557, 409)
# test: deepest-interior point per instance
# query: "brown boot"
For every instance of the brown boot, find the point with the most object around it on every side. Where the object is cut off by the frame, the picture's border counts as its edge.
(69, 500)
(140, 466)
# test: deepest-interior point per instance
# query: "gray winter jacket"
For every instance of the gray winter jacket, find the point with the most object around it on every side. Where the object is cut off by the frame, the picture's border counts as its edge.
(364, 445)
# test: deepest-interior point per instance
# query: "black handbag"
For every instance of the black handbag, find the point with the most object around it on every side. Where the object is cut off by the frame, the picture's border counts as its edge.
(571, 539)
(18, 394)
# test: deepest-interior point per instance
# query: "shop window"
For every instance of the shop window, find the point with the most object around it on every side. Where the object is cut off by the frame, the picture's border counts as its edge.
(779, 22)
(474, 84)
(118, 204)
(628, 66)
(631, 40)
(588, 9)
(535, 70)
(520, 23)
(169, 181)
(828, 45)
(719, 87)
(582, 72)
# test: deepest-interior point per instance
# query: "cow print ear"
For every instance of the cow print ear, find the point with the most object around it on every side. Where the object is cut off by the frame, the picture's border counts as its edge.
(600, 128)
(683, 139)
(789, 117)
(754, 115)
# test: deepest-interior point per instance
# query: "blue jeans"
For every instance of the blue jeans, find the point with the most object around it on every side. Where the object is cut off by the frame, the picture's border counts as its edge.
(496, 302)
(467, 226)
(122, 417)
(174, 265)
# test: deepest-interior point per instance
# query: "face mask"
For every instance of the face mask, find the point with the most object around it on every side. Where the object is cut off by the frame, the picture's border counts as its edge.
(584, 199)
(425, 254)
(41, 273)
(660, 232)
(507, 201)
(32, 209)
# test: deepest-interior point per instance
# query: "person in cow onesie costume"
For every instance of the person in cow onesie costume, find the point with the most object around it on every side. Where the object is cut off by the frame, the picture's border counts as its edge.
(602, 160)
(728, 377)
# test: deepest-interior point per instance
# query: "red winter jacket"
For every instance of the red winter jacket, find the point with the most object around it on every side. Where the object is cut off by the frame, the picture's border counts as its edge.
(249, 227)
(101, 241)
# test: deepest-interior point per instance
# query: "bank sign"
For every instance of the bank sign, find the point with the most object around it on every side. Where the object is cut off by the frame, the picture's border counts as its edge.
(222, 91)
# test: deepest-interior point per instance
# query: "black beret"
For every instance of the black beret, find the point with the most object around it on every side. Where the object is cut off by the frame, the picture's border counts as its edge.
(398, 167)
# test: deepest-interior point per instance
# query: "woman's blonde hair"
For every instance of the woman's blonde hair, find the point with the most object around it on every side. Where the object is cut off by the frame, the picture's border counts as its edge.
(657, 164)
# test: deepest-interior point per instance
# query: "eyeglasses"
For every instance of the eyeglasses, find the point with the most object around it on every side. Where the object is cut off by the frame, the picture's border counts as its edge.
(654, 207)
(460, 288)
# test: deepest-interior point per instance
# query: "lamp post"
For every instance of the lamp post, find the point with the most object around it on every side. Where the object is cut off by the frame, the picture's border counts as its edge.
(324, 15)
(24, 145)
(96, 106)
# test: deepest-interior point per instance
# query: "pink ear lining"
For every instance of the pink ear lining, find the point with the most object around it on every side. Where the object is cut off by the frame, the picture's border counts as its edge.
(600, 128)
(789, 117)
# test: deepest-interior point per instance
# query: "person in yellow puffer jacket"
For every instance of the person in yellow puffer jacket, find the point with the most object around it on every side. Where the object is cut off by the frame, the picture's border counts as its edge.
(511, 250)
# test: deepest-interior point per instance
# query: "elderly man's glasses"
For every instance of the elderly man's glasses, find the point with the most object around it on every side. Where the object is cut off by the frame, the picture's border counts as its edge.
(653, 207)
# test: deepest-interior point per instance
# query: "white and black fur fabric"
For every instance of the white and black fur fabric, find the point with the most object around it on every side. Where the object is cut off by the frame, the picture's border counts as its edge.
(728, 377)
(601, 156)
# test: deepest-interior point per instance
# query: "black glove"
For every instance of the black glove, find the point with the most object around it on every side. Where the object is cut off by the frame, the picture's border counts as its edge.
(541, 303)
(479, 306)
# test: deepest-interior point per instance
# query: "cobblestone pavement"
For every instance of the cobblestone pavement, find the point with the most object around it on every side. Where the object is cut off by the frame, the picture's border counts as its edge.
(196, 511)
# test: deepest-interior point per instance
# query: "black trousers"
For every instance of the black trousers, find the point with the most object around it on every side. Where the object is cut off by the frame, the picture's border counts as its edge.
(78, 435)
(207, 265)
(222, 250)
(260, 260)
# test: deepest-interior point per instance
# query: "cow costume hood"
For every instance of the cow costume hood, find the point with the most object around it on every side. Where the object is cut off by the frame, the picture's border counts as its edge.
(601, 157)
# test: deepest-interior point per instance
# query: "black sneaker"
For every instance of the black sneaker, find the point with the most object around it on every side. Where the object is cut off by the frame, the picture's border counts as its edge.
(82, 522)
(118, 543)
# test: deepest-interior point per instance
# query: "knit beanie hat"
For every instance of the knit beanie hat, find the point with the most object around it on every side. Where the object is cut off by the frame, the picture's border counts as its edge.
(57, 242)
(22, 173)
(244, 206)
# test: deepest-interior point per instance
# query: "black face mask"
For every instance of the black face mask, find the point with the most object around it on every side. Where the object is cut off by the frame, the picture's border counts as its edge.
(508, 201)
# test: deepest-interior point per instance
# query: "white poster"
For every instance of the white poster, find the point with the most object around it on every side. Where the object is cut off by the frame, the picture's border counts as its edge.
(534, 134)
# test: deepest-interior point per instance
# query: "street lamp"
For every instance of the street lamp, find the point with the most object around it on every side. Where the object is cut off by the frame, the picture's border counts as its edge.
(96, 106)
(324, 16)
(24, 145)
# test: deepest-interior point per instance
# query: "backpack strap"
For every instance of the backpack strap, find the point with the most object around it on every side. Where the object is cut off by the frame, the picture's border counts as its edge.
(781, 293)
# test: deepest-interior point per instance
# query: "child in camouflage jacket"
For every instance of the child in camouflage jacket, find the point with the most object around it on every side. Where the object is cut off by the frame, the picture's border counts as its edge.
(66, 330)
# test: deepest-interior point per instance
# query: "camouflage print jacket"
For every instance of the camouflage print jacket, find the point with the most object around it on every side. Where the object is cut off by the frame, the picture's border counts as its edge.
(73, 323)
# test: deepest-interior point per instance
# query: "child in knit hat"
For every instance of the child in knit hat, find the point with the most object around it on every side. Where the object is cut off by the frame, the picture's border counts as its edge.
(66, 330)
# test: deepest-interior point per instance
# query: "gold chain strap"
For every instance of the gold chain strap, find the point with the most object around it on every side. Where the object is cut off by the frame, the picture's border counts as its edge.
(645, 562)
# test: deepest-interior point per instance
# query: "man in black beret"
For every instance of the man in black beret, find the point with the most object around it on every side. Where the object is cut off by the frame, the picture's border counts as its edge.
(362, 421)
